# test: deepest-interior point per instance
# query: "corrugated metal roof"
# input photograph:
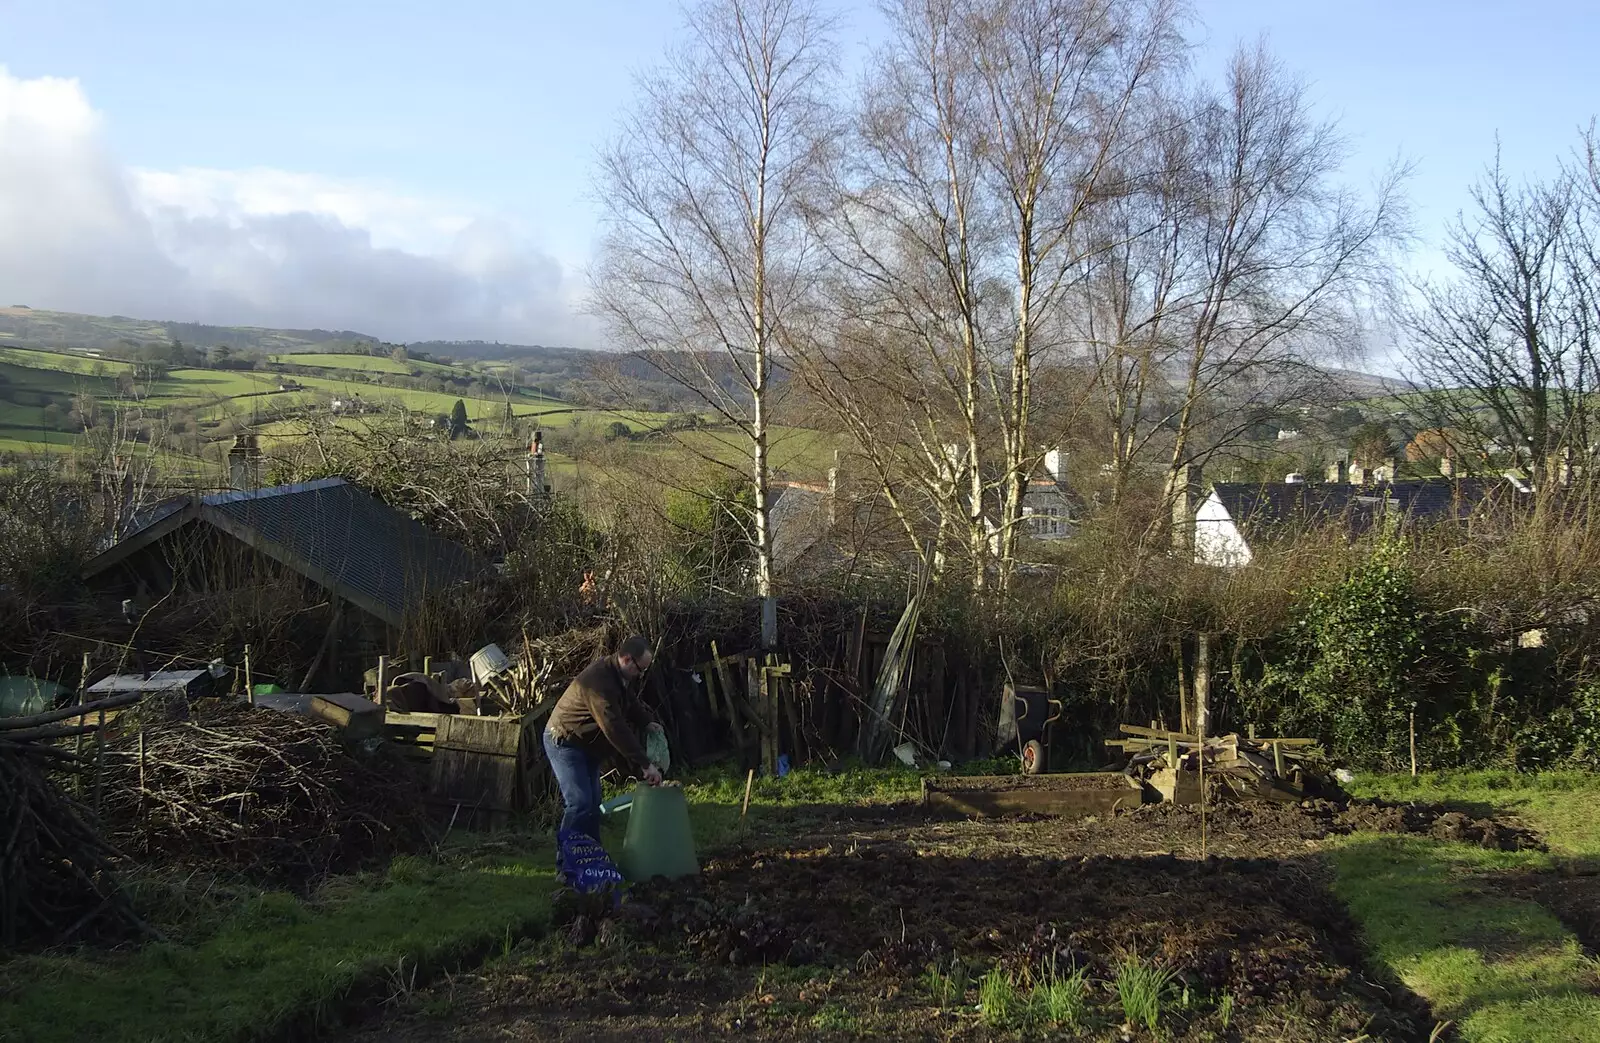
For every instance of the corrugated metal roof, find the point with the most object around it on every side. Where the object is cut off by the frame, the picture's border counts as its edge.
(339, 536)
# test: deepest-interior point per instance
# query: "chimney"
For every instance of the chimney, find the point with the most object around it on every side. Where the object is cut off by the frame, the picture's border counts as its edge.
(244, 464)
(1185, 502)
(1055, 465)
(1339, 470)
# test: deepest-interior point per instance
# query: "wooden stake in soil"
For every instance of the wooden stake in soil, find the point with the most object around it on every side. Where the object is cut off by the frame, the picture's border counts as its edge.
(83, 695)
(249, 687)
(1413, 743)
(99, 758)
(382, 681)
(141, 774)
(749, 781)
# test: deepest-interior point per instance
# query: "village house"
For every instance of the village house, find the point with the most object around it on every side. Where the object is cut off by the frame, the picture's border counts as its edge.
(1235, 519)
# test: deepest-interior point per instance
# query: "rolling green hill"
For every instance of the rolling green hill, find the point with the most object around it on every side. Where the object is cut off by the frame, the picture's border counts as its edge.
(61, 329)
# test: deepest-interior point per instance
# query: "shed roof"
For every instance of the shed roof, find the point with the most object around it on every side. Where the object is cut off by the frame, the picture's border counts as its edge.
(333, 533)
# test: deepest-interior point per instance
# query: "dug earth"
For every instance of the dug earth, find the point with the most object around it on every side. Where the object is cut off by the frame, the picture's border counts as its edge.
(891, 923)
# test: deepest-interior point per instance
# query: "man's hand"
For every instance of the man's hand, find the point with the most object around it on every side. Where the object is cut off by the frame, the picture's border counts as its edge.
(652, 775)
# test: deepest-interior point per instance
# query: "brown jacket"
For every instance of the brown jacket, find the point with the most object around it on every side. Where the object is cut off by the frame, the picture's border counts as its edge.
(598, 710)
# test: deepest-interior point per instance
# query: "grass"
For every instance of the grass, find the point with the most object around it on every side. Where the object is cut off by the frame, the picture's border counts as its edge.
(1060, 1001)
(1142, 989)
(1562, 805)
(853, 785)
(1500, 967)
(832, 1017)
(276, 965)
(997, 999)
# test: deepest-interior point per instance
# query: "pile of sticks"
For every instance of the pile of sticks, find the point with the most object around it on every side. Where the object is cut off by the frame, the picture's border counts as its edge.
(273, 795)
(1241, 766)
(57, 882)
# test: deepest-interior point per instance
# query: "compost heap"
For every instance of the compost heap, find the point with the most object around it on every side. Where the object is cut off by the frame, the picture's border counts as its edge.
(275, 796)
(56, 878)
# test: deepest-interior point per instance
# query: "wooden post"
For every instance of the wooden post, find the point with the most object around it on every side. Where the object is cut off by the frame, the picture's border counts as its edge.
(1185, 703)
(749, 782)
(99, 758)
(141, 773)
(249, 682)
(1413, 742)
(1200, 734)
(1172, 752)
(1277, 758)
(767, 705)
(1202, 684)
(755, 692)
(83, 695)
(383, 680)
(730, 696)
(711, 691)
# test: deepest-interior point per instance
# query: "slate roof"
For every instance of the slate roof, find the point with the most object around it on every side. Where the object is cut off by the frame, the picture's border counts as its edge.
(799, 520)
(1256, 507)
(329, 531)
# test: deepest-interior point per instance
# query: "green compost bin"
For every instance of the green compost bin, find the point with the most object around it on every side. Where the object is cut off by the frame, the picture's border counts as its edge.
(26, 696)
(659, 841)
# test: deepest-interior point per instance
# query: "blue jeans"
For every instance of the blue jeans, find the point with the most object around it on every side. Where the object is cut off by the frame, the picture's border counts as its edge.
(578, 776)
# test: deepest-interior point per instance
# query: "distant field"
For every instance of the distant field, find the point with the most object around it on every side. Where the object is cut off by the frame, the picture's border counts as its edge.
(14, 439)
(360, 363)
(61, 362)
(189, 386)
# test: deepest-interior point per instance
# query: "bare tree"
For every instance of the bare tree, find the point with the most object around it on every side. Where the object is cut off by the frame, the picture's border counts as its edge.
(1231, 267)
(1064, 83)
(987, 131)
(705, 258)
(1505, 349)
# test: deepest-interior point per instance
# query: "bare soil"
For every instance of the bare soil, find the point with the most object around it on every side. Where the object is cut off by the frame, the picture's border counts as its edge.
(828, 923)
(1099, 780)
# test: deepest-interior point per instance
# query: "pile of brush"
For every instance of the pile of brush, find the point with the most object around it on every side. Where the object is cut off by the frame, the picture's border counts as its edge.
(57, 882)
(275, 796)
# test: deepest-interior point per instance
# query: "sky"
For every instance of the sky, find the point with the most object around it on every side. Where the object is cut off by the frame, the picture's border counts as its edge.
(422, 170)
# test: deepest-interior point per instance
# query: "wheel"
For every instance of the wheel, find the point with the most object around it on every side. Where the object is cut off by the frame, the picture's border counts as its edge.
(1033, 758)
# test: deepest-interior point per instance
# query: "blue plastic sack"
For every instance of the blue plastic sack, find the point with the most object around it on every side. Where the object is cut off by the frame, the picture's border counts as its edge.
(584, 864)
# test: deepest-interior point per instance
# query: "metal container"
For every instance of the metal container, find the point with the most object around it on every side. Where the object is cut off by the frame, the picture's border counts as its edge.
(488, 662)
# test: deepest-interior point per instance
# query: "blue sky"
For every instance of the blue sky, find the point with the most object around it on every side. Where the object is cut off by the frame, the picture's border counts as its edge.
(448, 147)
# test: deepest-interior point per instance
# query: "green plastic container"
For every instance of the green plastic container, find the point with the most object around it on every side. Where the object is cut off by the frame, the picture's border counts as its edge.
(26, 696)
(660, 841)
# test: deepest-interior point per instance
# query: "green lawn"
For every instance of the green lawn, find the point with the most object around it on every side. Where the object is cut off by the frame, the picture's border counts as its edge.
(277, 966)
(1501, 967)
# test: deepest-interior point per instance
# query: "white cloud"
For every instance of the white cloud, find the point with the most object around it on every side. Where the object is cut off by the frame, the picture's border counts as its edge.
(81, 232)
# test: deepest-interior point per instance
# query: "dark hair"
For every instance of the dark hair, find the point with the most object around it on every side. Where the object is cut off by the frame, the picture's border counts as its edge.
(635, 648)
